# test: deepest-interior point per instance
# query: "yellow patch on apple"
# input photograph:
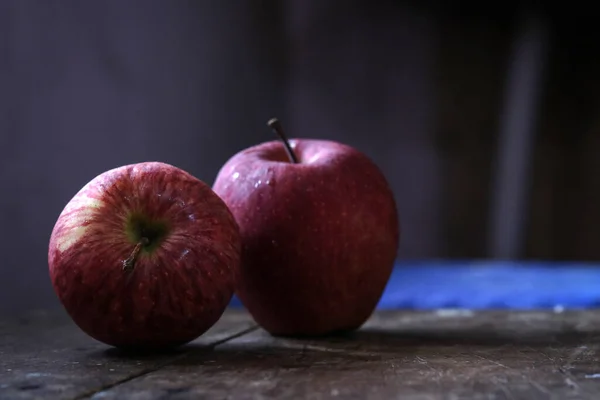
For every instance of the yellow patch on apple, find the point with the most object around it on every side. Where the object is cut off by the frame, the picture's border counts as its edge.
(73, 227)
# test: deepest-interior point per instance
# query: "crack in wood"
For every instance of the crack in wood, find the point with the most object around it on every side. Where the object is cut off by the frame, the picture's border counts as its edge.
(147, 371)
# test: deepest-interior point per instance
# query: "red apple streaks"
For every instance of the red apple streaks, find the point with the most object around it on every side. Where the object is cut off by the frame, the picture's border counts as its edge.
(144, 256)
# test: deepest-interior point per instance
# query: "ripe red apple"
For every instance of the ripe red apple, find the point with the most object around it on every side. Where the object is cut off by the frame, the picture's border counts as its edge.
(320, 234)
(144, 256)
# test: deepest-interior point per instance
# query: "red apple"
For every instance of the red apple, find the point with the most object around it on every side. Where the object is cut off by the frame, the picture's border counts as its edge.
(320, 234)
(144, 256)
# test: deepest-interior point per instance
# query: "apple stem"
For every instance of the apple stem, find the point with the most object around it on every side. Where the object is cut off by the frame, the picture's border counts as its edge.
(275, 125)
(129, 263)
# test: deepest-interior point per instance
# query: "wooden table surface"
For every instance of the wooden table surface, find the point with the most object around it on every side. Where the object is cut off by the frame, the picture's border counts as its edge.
(397, 355)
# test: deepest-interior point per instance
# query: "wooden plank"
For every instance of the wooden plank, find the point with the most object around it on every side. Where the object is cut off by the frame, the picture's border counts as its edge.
(44, 355)
(408, 355)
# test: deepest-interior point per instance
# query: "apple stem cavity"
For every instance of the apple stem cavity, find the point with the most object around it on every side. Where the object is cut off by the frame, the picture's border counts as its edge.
(275, 125)
(129, 263)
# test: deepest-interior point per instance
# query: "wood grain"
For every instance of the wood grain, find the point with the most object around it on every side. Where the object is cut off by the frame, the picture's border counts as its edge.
(431, 355)
(45, 356)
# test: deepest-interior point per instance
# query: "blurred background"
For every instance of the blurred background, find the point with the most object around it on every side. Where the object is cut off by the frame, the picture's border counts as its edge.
(483, 116)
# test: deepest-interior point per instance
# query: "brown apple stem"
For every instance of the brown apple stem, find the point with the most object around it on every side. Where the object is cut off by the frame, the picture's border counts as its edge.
(275, 125)
(129, 263)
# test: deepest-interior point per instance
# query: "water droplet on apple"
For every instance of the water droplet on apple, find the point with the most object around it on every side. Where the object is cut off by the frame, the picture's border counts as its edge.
(235, 175)
(183, 254)
(258, 183)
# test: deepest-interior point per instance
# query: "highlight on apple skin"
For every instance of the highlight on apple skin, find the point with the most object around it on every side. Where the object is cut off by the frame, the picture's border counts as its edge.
(320, 234)
(143, 256)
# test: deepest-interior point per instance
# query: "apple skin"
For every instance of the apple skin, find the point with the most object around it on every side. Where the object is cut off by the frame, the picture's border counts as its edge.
(319, 238)
(181, 282)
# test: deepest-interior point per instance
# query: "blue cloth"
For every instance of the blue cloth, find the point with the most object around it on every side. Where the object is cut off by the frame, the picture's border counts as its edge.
(490, 284)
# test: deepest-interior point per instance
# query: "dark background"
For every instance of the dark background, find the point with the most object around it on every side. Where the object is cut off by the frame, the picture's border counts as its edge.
(428, 90)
